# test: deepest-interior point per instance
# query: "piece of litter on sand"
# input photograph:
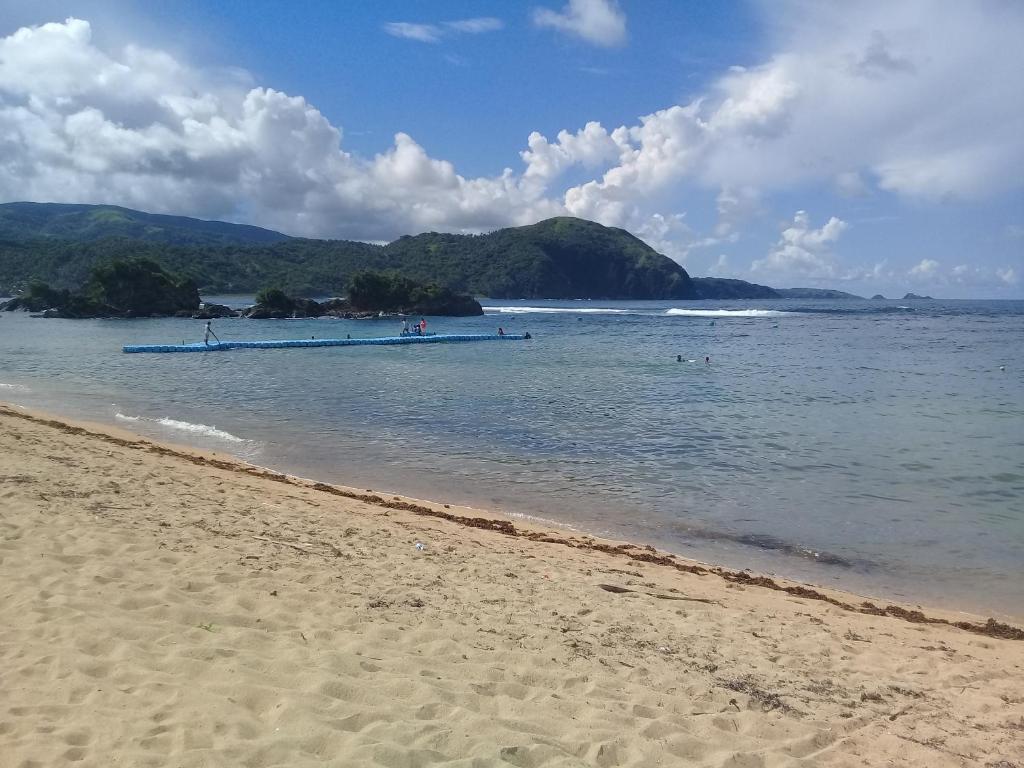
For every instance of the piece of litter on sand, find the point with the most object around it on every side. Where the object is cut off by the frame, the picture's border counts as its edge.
(420, 546)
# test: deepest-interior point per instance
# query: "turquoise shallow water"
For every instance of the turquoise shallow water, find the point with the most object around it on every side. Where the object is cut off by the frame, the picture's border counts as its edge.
(856, 444)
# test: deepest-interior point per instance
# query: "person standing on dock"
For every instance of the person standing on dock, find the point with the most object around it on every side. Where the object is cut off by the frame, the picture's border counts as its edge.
(208, 333)
(423, 327)
(405, 327)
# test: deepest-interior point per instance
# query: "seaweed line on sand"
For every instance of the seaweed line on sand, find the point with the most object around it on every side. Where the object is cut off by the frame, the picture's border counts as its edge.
(645, 554)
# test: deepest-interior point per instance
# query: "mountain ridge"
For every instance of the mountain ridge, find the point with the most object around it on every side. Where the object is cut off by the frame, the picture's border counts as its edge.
(561, 257)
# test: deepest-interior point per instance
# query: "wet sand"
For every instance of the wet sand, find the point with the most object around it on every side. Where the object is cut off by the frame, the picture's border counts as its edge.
(162, 606)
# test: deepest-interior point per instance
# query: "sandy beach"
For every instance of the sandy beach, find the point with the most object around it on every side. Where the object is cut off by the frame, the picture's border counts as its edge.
(165, 607)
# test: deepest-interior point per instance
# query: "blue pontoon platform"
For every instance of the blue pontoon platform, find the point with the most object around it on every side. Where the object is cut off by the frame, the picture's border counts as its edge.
(441, 338)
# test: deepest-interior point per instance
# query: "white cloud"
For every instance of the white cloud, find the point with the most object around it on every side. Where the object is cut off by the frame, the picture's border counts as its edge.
(930, 272)
(911, 108)
(925, 269)
(803, 250)
(432, 33)
(851, 184)
(1008, 275)
(476, 26)
(139, 128)
(735, 208)
(720, 267)
(424, 33)
(600, 22)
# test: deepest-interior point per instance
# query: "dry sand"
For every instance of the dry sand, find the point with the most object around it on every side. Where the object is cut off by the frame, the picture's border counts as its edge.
(162, 607)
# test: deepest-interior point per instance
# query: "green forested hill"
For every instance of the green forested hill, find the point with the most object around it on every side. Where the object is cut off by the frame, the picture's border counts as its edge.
(557, 258)
(87, 223)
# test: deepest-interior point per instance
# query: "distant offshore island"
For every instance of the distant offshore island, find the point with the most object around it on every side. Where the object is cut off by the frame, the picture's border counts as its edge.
(60, 246)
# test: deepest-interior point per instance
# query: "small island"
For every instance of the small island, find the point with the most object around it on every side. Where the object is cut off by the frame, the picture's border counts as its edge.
(369, 294)
(128, 288)
(119, 288)
(913, 296)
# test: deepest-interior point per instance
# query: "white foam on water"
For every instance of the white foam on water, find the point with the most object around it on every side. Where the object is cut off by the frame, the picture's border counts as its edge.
(184, 426)
(14, 387)
(199, 429)
(562, 310)
(676, 312)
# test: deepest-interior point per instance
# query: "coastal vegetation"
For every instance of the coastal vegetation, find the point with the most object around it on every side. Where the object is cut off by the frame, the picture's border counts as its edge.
(563, 257)
(392, 292)
(119, 288)
(369, 294)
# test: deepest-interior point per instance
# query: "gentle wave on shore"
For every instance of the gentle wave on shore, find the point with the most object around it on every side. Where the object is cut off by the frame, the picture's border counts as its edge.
(185, 426)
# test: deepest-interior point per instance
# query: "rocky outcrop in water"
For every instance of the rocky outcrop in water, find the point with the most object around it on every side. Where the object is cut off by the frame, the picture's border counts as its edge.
(213, 312)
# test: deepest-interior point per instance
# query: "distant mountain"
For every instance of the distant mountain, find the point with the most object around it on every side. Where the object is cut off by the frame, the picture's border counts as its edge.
(814, 293)
(88, 223)
(559, 258)
(912, 296)
(728, 288)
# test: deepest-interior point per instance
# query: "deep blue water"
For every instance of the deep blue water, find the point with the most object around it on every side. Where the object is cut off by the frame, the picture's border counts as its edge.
(876, 446)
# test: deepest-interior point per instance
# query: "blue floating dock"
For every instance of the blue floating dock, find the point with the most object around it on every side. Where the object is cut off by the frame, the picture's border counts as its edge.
(440, 338)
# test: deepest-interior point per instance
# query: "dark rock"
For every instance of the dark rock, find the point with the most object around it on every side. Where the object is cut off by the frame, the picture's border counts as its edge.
(298, 308)
(263, 312)
(307, 308)
(213, 312)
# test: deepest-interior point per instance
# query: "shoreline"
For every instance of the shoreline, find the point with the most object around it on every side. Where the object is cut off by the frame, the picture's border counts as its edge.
(534, 529)
(167, 606)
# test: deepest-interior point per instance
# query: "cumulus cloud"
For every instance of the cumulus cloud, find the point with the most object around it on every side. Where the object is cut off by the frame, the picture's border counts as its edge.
(600, 22)
(432, 33)
(930, 272)
(844, 104)
(803, 250)
(925, 269)
(1007, 275)
(142, 129)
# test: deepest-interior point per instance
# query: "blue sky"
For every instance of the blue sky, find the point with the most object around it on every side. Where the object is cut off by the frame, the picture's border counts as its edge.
(871, 147)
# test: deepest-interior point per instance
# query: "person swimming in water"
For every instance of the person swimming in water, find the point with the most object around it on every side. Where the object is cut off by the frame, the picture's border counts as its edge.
(707, 360)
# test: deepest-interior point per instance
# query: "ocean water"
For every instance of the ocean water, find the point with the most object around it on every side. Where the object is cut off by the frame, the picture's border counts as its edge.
(874, 446)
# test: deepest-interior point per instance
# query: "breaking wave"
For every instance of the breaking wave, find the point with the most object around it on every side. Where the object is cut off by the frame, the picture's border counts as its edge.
(562, 311)
(185, 426)
(725, 312)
